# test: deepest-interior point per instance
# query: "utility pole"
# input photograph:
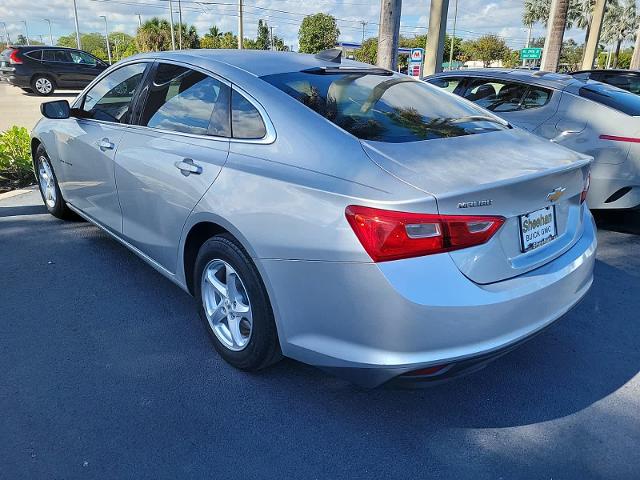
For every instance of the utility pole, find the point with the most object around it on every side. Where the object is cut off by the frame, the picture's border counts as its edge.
(106, 36)
(273, 47)
(139, 20)
(389, 33)
(6, 33)
(555, 34)
(364, 24)
(75, 14)
(434, 52)
(524, 60)
(50, 35)
(173, 35)
(26, 30)
(453, 37)
(180, 24)
(591, 48)
(240, 30)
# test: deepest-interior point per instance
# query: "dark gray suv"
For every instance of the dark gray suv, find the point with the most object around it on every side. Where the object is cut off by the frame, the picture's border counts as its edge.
(42, 70)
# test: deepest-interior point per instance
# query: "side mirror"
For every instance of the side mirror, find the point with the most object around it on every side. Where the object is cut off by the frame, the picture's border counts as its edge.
(56, 110)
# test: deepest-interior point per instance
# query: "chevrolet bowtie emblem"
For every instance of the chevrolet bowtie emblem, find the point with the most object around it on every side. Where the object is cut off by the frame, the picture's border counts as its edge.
(556, 194)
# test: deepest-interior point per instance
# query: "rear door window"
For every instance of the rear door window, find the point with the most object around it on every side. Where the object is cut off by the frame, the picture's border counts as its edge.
(56, 56)
(628, 82)
(34, 54)
(110, 99)
(246, 120)
(495, 95)
(448, 84)
(535, 98)
(188, 101)
(620, 100)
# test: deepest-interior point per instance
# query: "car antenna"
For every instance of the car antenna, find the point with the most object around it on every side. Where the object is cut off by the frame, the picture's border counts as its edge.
(333, 55)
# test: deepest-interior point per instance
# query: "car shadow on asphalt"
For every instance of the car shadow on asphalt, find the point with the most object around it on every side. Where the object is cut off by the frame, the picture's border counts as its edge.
(22, 210)
(624, 221)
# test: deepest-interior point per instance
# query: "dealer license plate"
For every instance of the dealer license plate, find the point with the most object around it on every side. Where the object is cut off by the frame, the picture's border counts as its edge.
(537, 228)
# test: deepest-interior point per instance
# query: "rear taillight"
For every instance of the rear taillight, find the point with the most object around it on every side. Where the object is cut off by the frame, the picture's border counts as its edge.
(390, 235)
(14, 59)
(585, 190)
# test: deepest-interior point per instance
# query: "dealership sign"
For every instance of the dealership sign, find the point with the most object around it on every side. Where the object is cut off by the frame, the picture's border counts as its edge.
(531, 54)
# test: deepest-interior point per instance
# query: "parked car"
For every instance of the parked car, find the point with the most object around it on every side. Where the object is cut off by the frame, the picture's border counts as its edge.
(628, 80)
(42, 70)
(340, 214)
(586, 116)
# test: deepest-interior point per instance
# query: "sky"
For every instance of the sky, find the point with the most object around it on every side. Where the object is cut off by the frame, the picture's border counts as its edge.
(475, 17)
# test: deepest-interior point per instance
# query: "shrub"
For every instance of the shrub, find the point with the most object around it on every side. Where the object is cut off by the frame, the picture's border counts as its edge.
(16, 169)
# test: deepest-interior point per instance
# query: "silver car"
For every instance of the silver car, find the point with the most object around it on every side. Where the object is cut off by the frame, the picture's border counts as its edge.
(332, 212)
(589, 117)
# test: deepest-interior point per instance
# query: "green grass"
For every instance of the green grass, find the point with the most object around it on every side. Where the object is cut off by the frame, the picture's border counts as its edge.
(16, 169)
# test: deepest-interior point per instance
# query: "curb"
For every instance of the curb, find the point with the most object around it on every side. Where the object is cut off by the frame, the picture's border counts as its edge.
(15, 193)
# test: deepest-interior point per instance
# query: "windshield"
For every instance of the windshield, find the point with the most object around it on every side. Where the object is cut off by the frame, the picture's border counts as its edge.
(621, 100)
(388, 108)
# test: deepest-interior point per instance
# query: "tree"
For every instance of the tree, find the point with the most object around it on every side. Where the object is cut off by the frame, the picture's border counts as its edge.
(263, 41)
(212, 38)
(318, 32)
(154, 35)
(368, 52)
(487, 48)
(620, 23)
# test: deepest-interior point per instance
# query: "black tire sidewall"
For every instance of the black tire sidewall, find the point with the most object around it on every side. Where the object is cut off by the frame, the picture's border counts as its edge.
(35, 90)
(59, 209)
(263, 347)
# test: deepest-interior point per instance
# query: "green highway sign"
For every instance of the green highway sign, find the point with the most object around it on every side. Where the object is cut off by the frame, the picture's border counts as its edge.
(531, 54)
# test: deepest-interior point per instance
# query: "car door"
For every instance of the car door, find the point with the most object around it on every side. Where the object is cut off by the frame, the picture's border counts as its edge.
(166, 163)
(58, 63)
(87, 67)
(88, 145)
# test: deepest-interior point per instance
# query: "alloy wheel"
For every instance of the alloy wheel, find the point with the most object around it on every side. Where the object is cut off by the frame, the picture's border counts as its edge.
(47, 182)
(226, 305)
(43, 85)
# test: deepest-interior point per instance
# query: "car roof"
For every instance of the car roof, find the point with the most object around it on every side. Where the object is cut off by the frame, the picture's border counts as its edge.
(255, 62)
(557, 81)
(41, 47)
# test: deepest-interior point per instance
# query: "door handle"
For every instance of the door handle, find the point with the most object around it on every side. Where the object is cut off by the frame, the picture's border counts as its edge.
(105, 144)
(187, 166)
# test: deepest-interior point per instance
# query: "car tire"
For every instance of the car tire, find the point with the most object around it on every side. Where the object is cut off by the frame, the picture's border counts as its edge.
(48, 186)
(246, 339)
(43, 85)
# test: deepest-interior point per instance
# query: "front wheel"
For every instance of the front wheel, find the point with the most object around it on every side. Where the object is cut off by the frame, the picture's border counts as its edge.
(48, 185)
(43, 85)
(234, 305)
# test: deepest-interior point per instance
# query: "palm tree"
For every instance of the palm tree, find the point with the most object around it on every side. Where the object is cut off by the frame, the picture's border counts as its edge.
(536, 11)
(154, 35)
(620, 23)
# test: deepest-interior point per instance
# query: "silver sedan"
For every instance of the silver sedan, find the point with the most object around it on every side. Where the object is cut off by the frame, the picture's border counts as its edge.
(586, 116)
(325, 210)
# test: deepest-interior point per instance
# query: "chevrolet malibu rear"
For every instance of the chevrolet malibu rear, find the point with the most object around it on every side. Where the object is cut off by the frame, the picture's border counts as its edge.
(374, 226)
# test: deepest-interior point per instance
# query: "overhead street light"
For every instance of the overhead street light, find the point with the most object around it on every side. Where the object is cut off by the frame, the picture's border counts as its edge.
(106, 36)
(50, 35)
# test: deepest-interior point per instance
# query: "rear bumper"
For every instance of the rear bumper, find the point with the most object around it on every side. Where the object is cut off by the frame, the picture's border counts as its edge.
(373, 322)
(15, 80)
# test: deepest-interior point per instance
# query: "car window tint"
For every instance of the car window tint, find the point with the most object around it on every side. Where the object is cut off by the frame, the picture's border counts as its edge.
(83, 58)
(630, 83)
(448, 84)
(535, 98)
(384, 107)
(56, 56)
(495, 95)
(246, 121)
(110, 98)
(184, 100)
(35, 54)
(621, 100)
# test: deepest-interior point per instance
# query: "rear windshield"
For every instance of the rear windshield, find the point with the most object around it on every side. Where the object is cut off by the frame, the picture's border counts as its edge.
(621, 100)
(387, 108)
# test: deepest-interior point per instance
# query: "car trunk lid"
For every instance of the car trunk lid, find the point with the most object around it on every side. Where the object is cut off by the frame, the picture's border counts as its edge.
(508, 173)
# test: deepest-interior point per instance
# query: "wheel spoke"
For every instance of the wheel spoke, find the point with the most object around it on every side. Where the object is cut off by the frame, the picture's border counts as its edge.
(234, 328)
(220, 287)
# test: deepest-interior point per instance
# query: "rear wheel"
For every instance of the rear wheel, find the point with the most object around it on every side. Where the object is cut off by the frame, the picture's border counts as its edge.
(48, 184)
(234, 305)
(43, 85)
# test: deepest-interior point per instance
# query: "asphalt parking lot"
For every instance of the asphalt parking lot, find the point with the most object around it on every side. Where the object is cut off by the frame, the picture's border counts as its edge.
(23, 109)
(108, 373)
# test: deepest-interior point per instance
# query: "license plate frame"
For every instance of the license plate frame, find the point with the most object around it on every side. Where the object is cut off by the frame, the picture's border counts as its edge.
(541, 235)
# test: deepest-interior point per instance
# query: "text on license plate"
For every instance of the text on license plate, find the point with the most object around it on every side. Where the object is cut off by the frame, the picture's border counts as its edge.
(537, 228)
